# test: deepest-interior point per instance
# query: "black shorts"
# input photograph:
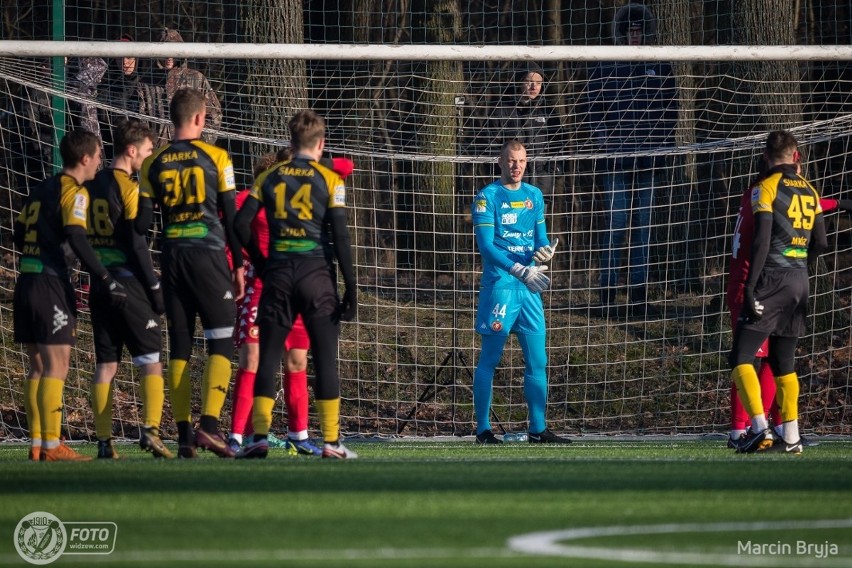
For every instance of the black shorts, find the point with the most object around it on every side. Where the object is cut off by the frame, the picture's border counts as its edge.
(45, 310)
(136, 325)
(306, 286)
(784, 295)
(197, 281)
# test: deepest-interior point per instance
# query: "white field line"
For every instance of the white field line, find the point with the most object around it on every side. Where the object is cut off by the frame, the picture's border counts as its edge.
(549, 543)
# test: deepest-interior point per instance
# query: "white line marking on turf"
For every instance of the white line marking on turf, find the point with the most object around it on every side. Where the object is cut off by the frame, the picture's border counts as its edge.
(548, 543)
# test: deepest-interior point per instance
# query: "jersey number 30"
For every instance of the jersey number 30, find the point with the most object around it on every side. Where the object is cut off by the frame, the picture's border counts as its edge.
(185, 186)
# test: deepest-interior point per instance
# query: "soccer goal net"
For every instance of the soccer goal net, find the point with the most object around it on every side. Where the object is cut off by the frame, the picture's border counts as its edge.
(424, 133)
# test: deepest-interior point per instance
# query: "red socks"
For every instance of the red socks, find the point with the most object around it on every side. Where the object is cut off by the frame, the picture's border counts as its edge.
(296, 399)
(243, 401)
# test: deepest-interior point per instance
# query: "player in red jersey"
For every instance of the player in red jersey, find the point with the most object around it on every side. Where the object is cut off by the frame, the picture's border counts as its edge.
(297, 344)
(737, 276)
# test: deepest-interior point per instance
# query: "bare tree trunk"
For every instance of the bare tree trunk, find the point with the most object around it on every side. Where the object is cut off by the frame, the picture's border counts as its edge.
(770, 89)
(434, 180)
(682, 256)
(559, 207)
(277, 88)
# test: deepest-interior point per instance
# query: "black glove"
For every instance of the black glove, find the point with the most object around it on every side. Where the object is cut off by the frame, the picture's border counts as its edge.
(117, 292)
(752, 309)
(259, 263)
(349, 305)
(155, 294)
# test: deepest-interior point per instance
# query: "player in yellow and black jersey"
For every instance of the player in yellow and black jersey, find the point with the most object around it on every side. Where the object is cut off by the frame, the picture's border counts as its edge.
(53, 219)
(304, 204)
(193, 183)
(789, 231)
(113, 207)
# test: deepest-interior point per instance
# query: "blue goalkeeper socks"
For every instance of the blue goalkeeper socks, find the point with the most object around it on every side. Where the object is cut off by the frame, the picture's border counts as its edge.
(483, 379)
(535, 379)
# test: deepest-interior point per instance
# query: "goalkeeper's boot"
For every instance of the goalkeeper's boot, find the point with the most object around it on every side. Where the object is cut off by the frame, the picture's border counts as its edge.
(338, 451)
(487, 437)
(304, 447)
(546, 437)
(256, 449)
(755, 442)
(61, 453)
(150, 441)
(214, 443)
(106, 451)
(781, 446)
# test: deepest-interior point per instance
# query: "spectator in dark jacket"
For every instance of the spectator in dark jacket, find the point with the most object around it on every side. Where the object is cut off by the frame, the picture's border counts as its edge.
(524, 115)
(632, 110)
(120, 91)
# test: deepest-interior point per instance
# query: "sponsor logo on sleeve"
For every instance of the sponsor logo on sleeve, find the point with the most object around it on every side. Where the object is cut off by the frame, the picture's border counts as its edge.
(81, 204)
(230, 181)
(340, 195)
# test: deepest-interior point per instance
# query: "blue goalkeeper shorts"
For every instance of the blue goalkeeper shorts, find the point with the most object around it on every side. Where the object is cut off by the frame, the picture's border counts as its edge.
(502, 311)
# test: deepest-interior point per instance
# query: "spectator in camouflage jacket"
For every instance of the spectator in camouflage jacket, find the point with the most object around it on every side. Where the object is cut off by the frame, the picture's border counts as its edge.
(180, 76)
(85, 83)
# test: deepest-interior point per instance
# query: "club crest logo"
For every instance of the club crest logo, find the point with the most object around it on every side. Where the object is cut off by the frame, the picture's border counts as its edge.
(528, 204)
(40, 538)
(496, 326)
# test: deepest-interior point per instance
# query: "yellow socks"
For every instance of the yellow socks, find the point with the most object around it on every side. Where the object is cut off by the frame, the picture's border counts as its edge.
(329, 416)
(153, 397)
(788, 396)
(101, 394)
(31, 407)
(214, 386)
(180, 389)
(50, 409)
(261, 417)
(748, 385)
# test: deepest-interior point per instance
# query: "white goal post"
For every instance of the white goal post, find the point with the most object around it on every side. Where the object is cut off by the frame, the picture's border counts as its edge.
(384, 52)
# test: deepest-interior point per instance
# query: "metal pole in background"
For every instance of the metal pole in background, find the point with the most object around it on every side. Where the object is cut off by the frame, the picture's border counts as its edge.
(57, 102)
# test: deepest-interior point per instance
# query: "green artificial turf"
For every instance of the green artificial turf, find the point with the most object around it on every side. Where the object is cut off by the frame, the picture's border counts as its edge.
(450, 504)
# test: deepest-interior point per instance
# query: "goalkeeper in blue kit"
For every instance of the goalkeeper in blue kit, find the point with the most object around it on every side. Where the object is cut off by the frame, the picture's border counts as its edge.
(508, 220)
